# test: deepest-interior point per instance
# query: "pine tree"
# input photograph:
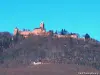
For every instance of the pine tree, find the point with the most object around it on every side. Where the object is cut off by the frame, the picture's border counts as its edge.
(56, 32)
(62, 32)
(87, 36)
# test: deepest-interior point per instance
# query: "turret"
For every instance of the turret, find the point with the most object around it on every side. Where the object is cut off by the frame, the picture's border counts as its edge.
(42, 25)
(16, 31)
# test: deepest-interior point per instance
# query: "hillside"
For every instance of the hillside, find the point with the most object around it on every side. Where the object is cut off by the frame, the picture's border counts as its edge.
(55, 50)
(50, 69)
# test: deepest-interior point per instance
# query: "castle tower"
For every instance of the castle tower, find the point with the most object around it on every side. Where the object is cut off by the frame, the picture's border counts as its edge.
(16, 31)
(42, 25)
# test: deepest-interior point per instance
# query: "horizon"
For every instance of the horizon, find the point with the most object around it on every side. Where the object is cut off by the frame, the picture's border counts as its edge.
(75, 16)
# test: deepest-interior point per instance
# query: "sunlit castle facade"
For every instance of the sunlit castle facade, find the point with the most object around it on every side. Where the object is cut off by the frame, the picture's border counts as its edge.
(37, 31)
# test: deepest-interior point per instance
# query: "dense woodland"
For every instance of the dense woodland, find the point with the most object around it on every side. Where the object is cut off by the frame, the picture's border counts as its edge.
(16, 50)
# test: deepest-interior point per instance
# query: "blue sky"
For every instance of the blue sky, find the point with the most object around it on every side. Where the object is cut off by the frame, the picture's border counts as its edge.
(80, 16)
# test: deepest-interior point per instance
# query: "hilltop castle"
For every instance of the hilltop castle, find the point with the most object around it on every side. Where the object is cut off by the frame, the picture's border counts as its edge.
(41, 31)
(37, 31)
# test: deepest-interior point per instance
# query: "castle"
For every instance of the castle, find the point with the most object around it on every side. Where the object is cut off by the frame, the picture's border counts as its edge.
(41, 31)
(37, 31)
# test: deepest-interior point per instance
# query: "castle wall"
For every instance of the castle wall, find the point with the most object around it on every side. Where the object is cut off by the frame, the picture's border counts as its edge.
(37, 31)
(25, 33)
(74, 36)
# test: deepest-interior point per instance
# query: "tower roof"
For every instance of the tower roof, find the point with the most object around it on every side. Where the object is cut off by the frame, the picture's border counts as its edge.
(42, 22)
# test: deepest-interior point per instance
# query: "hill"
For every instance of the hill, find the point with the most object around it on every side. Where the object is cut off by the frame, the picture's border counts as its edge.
(53, 50)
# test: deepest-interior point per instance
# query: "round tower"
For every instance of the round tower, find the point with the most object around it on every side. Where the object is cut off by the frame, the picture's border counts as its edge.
(42, 25)
(16, 31)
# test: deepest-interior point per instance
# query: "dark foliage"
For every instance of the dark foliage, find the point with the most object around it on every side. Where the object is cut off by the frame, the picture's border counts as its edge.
(7, 40)
(87, 36)
(52, 32)
(63, 32)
